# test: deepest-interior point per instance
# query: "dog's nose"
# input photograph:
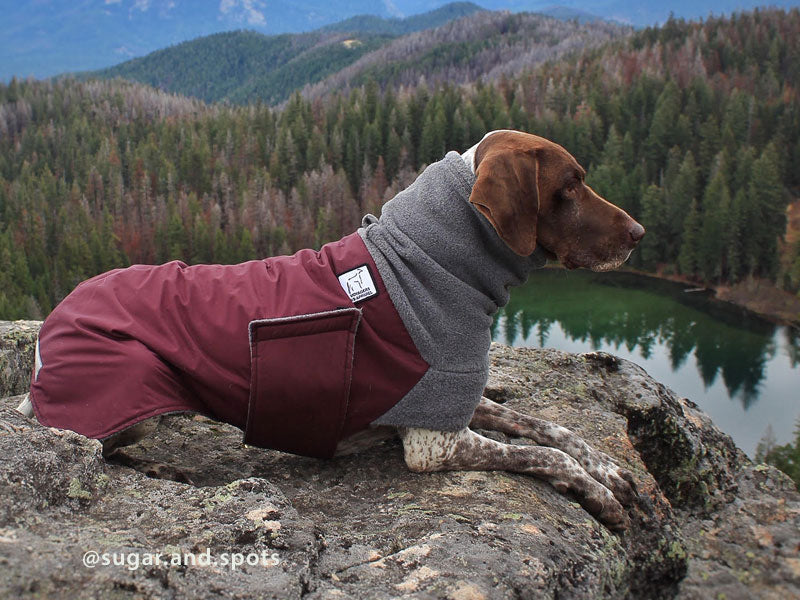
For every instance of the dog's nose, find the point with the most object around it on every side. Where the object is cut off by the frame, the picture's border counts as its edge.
(636, 231)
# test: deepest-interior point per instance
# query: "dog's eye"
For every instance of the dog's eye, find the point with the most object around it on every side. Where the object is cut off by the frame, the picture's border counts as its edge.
(572, 187)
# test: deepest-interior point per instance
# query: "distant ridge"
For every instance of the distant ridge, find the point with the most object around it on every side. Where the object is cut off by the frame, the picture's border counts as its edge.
(243, 66)
(484, 46)
(565, 14)
(469, 43)
(45, 38)
(428, 20)
(246, 66)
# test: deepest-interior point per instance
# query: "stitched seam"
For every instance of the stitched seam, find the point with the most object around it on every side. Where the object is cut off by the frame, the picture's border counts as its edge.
(300, 317)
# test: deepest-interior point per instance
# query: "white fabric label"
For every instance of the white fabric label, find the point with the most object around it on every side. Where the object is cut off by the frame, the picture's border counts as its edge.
(358, 284)
(37, 362)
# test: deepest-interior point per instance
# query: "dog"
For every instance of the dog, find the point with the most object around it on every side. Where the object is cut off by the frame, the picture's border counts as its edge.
(387, 330)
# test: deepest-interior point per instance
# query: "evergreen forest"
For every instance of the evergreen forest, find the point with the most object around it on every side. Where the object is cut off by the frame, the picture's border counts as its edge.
(692, 127)
(242, 67)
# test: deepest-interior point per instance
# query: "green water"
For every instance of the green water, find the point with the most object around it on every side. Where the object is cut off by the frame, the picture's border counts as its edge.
(742, 370)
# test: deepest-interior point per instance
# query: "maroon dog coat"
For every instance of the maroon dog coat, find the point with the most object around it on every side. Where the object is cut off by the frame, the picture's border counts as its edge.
(298, 351)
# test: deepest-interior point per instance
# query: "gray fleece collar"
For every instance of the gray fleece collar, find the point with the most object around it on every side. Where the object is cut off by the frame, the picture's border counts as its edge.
(435, 249)
(435, 214)
(447, 272)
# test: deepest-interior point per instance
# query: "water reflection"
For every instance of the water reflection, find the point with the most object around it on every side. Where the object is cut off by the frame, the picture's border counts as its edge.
(621, 310)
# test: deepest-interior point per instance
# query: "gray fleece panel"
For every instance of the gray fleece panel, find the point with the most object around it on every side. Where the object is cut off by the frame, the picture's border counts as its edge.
(447, 272)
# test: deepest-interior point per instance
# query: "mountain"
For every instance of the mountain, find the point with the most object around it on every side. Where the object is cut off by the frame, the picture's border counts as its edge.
(47, 37)
(43, 38)
(567, 14)
(401, 26)
(245, 66)
(640, 14)
(486, 45)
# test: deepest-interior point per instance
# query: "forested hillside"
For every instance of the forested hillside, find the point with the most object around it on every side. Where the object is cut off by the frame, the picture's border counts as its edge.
(245, 66)
(693, 128)
(484, 45)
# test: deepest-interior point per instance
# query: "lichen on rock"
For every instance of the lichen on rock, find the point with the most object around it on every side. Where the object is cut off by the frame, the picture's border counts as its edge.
(17, 341)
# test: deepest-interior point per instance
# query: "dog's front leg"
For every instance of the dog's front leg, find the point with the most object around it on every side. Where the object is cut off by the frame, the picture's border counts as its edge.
(496, 417)
(427, 450)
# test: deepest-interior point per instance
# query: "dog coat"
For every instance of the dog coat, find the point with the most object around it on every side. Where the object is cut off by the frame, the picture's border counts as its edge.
(389, 326)
(298, 351)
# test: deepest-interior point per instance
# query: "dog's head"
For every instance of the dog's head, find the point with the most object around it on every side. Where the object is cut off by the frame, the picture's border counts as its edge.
(533, 192)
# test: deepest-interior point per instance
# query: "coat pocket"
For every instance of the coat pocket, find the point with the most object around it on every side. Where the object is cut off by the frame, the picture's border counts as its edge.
(301, 368)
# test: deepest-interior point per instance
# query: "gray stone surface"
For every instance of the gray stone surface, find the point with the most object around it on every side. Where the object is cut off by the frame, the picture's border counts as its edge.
(710, 523)
(17, 341)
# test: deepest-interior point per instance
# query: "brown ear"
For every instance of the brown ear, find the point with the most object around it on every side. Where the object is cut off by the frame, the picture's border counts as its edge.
(506, 192)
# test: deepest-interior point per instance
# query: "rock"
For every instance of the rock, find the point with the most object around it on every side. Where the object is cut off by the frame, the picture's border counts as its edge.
(709, 521)
(17, 340)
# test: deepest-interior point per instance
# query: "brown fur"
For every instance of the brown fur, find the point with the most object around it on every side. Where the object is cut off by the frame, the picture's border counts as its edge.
(534, 192)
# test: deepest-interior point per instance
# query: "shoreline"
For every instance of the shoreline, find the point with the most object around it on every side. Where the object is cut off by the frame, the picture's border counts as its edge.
(755, 295)
(758, 296)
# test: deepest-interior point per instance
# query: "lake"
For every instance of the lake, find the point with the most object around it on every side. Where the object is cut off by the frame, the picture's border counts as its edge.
(741, 369)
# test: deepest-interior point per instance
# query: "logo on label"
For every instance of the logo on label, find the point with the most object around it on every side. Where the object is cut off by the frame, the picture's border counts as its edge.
(358, 284)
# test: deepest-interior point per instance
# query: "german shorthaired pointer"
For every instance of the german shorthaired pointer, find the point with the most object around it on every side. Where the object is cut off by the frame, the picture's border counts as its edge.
(326, 351)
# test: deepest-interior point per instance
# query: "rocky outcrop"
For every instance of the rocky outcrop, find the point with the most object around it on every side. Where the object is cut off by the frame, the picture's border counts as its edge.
(710, 524)
(17, 341)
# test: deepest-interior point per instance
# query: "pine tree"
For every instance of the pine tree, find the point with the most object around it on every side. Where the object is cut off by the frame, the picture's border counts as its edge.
(767, 194)
(736, 258)
(654, 247)
(352, 159)
(316, 150)
(688, 258)
(716, 229)
(176, 239)
(662, 128)
(201, 243)
(709, 143)
(738, 120)
(394, 149)
(613, 151)
(221, 254)
(607, 177)
(246, 250)
(325, 229)
(373, 148)
(681, 192)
